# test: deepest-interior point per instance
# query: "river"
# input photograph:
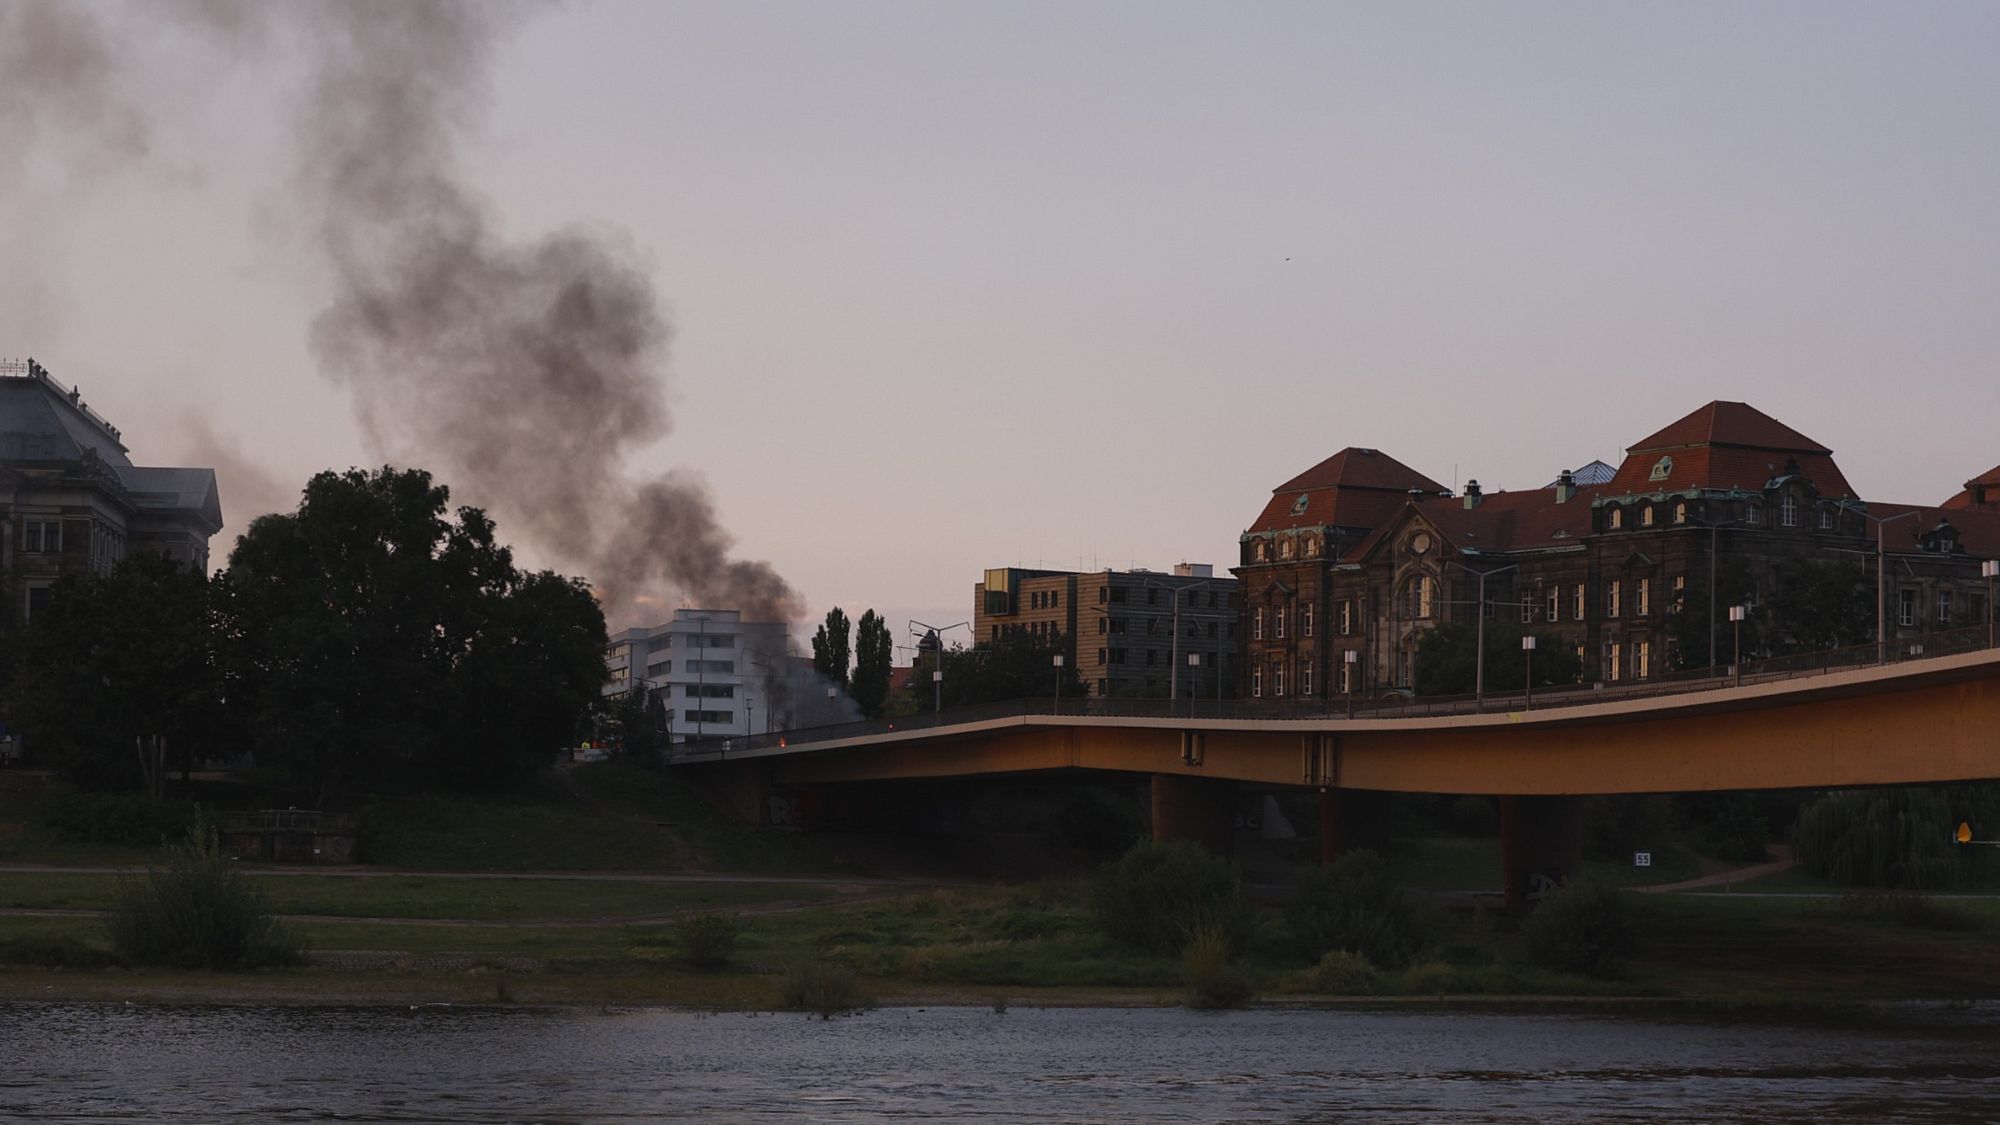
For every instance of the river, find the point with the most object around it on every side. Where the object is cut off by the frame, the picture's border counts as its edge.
(103, 1063)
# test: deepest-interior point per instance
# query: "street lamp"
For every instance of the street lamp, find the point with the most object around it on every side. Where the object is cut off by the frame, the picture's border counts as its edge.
(1989, 570)
(937, 668)
(1350, 661)
(1736, 614)
(1528, 663)
(1881, 574)
(1479, 651)
(1056, 662)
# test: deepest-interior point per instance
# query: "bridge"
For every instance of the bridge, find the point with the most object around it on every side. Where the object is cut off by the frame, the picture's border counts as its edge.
(1931, 719)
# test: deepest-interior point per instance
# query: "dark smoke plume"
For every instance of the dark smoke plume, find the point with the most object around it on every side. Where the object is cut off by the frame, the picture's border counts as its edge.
(529, 372)
(60, 78)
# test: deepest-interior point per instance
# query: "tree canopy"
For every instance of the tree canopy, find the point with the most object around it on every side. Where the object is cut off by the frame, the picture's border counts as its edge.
(372, 638)
(873, 650)
(1446, 659)
(830, 647)
(1017, 665)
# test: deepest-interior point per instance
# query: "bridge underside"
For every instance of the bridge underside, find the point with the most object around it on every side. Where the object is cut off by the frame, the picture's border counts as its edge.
(1873, 727)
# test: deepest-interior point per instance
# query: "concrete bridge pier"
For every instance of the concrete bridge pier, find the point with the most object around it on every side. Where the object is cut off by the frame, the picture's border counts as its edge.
(1541, 844)
(1200, 809)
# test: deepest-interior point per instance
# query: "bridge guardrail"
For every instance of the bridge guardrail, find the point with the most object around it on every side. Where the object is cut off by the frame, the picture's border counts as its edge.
(1771, 669)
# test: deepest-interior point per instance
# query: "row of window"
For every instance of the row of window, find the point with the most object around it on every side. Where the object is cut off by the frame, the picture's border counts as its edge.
(708, 716)
(1941, 607)
(1420, 603)
(1118, 655)
(694, 640)
(39, 536)
(1753, 514)
(1287, 547)
(1044, 599)
(1344, 679)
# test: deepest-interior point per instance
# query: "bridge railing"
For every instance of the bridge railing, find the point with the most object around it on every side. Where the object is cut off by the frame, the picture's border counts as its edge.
(1394, 705)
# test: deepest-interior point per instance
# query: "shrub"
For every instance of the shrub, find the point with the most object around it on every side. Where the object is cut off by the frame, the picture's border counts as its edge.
(1582, 928)
(53, 952)
(1343, 972)
(823, 988)
(131, 819)
(1355, 904)
(1158, 895)
(1214, 981)
(1915, 911)
(706, 941)
(197, 913)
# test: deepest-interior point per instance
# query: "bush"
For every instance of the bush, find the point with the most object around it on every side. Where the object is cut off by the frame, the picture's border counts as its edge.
(1915, 911)
(131, 819)
(1356, 905)
(1582, 928)
(1159, 895)
(823, 988)
(63, 952)
(706, 941)
(1343, 972)
(1213, 980)
(198, 913)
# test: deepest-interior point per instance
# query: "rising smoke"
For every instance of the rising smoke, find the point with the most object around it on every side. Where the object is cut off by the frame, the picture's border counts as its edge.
(526, 374)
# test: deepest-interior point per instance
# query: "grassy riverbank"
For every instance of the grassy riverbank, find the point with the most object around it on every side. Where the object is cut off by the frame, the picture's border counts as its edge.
(575, 893)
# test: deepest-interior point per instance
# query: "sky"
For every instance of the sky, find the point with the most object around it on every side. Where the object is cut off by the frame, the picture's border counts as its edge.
(956, 286)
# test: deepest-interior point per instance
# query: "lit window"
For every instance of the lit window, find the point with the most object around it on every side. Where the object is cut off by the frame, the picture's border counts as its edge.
(1645, 593)
(1642, 659)
(1555, 603)
(1346, 617)
(1614, 653)
(1613, 598)
(1285, 548)
(1257, 681)
(1614, 518)
(1646, 516)
(1278, 619)
(1426, 595)
(1278, 679)
(1680, 592)
(1312, 546)
(1577, 604)
(1680, 511)
(1257, 624)
(1306, 678)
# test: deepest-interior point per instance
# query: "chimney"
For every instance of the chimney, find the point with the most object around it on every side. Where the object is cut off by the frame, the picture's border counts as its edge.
(1472, 496)
(1565, 486)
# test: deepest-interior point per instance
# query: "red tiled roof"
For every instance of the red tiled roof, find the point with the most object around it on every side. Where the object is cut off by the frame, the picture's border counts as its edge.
(1730, 423)
(1353, 488)
(1988, 480)
(1978, 531)
(1727, 445)
(1503, 521)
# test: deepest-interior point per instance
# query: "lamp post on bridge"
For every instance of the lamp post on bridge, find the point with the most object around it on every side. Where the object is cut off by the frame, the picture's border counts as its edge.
(1479, 644)
(937, 658)
(1989, 570)
(1736, 615)
(1350, 666)
(1056, 662)
(1881, 580)
(1528, 676)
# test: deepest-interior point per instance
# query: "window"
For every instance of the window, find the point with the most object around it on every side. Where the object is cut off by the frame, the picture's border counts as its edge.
(1278, 620)
(1680, 593)
(1825, 518)
(1306, 622)
(1555, 603)
(1103, 594)
(1576, 604)
(1426, 596)
(1614, 653)
(1312, 546)
(1788, 511)
(1579, 664)
(1054, 598)
(658, 644)
(1263, 550)
(1346, 677)
(1151, 654)
(1306, 678)
(1257, 624)
(696, 667)
(1642, 659)
(1646, 516)
(1257, 681)
(1645, 593)
(38, 600)
(1614, 518)
(1346, 617)
(43, 536)
(1753, 513)
(1906, 607)
(1614, 593)
(710, 691)
(712, 640)
(1152, 595)
(1278, 680)
(1680, 511)
(1285, 547)
(1527, 609)
(1101, 657)
(1944, 607)
(1103, 625)
(709, 716)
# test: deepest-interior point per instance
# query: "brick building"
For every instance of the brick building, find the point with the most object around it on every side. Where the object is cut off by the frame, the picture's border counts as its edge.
(72, 501)
(1119, 626)
(1363, 555)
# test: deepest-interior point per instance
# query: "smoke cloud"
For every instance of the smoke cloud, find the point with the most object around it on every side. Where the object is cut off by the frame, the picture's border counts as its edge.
(526, 374)
(529, 371)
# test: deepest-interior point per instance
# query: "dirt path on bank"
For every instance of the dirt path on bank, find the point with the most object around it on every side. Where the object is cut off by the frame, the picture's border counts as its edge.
(1781, 860)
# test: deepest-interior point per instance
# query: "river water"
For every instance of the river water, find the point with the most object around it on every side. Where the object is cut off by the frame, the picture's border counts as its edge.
(100, 1063)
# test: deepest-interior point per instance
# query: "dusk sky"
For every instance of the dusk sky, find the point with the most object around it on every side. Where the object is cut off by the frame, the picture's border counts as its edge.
(957, 286)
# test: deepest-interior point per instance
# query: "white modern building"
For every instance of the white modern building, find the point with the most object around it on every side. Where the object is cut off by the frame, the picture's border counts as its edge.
(719, 674)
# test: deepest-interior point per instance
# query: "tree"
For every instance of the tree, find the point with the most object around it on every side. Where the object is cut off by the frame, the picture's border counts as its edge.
(872, 652)
(116, 657)
(830, 651)
(1817, 605)
(371, 638)
(1446, 659)
(1014, 665)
